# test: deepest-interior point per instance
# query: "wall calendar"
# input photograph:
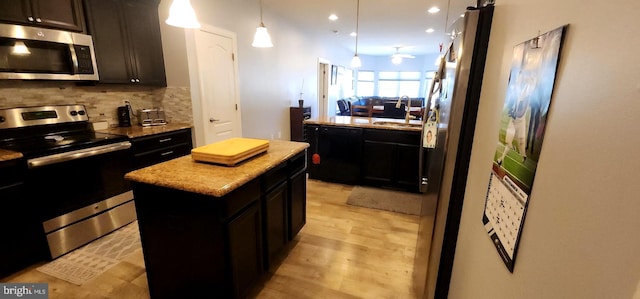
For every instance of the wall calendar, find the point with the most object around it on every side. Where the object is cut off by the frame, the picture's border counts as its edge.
(523, 120)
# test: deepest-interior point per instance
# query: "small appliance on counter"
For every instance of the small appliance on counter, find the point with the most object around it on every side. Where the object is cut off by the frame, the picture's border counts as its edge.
(124, 116)
(151, 117)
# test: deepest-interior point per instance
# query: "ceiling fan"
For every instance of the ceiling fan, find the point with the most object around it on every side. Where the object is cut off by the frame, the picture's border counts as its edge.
(396, 58)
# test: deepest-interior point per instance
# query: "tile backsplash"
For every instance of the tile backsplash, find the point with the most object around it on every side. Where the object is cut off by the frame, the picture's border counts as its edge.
(101, 101)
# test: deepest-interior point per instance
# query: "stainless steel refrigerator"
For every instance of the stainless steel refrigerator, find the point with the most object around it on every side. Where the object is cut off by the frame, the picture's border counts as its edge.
(445, 159)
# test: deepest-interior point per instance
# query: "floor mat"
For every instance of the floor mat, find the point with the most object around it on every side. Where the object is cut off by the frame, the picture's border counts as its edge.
(91, 260)
(388, 200)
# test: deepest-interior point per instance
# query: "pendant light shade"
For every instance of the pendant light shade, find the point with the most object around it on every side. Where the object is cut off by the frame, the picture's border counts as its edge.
(181, 14)
(355, 61)
(262, 39)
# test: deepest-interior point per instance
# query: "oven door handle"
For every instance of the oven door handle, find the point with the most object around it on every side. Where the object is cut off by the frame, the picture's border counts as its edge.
(78, 154)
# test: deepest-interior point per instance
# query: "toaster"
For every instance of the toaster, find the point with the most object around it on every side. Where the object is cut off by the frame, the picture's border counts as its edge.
(151, 117)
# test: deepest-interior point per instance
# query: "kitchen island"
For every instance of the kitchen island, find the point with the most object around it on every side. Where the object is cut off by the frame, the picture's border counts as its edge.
(368, 122)
(213, 229)
(380, 152)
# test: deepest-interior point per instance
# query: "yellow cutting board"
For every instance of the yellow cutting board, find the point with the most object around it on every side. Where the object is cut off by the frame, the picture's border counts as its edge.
(231, 151)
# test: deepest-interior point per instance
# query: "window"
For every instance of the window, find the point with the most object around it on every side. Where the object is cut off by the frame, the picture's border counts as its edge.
(393, 84)
(429, 80)
(396, 84)
(366, 83)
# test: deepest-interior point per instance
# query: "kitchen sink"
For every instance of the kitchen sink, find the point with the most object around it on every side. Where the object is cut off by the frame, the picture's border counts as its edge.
(397, 124)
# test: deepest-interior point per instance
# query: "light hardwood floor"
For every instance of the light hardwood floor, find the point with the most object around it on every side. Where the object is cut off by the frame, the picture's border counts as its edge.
(343, 251)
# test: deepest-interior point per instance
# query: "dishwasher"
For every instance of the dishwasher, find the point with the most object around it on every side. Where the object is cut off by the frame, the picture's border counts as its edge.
(340, 152)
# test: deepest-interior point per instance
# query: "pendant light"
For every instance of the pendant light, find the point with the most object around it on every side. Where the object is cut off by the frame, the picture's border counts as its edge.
(181, 14)
(262, 39)
(355, 61)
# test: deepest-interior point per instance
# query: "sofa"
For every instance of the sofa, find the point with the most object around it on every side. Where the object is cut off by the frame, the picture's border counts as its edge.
(374, 106)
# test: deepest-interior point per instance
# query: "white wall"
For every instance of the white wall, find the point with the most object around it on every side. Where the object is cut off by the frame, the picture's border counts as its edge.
(383, 63)
(581, 237)
(270, 79)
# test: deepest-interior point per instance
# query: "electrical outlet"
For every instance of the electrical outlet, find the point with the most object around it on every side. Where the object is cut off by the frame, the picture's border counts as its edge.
(279, 135)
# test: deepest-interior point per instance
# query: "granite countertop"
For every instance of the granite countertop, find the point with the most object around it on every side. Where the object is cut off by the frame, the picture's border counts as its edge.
(140, 131)
(7, 155)
(131, 132)
(214, 180)
(367, 122)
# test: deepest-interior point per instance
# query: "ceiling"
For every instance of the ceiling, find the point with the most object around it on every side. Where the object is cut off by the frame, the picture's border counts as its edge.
(383, 24)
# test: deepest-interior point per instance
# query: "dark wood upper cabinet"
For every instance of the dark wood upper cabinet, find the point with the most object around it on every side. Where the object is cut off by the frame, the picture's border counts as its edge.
(126, 36)
(57, 14)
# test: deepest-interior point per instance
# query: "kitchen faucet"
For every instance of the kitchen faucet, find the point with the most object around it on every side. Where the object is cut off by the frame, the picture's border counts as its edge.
(408, 112)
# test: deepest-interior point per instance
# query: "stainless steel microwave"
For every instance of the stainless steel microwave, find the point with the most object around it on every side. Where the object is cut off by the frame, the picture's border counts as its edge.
(31, 53)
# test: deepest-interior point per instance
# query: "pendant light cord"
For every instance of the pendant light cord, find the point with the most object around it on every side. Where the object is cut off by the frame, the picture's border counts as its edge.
(261, 23)
(357, 23)
(446, 19)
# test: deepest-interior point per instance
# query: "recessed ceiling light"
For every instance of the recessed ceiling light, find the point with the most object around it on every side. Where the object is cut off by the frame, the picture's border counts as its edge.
(333, 17)
(353, 34)
(430, 30)
(433, 10)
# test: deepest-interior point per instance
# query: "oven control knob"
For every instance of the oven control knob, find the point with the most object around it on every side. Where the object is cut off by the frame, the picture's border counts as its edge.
(74, 113)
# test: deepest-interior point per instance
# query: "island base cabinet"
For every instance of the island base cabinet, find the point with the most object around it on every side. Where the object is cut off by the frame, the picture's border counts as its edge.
(245, 244)
(297, 202)
(198, 245)
(275, 223)
(192, 246)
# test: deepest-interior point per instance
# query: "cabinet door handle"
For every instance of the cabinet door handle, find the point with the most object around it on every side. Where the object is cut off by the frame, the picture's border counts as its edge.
(39, 20)
(166, 153)
(165, 140)
(133, 80)
(30, 19)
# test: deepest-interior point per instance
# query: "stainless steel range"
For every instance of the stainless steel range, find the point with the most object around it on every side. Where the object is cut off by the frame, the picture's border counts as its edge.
(75, 177)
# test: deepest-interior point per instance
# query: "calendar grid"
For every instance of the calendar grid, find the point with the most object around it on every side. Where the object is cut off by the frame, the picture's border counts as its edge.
(504, 209)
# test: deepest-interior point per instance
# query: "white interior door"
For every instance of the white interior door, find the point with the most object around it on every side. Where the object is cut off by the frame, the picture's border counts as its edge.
(323, 87)
(216, 105)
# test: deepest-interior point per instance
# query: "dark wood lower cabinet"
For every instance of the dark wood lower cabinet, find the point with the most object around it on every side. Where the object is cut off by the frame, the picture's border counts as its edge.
(200, 246)
(275, 230)
(363, 156)
(391, 159)
(297, 202)
(245, 246)
(20, 227)
(188, 241)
